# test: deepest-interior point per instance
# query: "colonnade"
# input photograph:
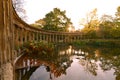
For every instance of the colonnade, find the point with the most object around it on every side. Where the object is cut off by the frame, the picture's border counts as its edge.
(22, 35)
(14, 32)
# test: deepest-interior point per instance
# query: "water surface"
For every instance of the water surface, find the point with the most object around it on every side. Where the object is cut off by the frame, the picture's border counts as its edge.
(71, 63)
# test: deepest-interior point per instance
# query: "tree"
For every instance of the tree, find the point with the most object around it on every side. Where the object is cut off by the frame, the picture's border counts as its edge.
(117, 18)
(91, 20)
(90, 23)
(118, 12)
(116, 30)
(55, 20)
(106, 26)
(106, 17)
(19, 8)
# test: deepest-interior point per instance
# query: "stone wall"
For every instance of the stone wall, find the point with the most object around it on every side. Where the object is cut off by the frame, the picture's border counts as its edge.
(6, 72)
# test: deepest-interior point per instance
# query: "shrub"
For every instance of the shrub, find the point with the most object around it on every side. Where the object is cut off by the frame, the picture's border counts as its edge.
(37, 47)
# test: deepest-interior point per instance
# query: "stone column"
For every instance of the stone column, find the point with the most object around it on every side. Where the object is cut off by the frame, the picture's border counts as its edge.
(6, 40)
(6, 31)
(26, 35)
(37, 37)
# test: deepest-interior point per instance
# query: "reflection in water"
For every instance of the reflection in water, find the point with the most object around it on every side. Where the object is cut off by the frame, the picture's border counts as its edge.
(71, 63)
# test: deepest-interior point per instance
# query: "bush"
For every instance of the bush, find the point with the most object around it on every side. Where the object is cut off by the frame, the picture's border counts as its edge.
(37, 47)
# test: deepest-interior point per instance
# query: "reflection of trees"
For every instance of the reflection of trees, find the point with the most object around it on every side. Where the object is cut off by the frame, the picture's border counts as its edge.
(89, 66)
(109, 58)
(111, 62)
(57, 63)
(86, 61)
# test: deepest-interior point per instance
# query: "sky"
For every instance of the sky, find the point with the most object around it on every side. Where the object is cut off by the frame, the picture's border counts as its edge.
(75, 9)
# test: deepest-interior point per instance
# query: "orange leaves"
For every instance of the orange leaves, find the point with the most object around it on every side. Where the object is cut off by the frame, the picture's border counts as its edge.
(37, 48)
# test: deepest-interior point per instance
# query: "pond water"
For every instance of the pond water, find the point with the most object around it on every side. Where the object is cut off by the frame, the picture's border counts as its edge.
(71, 63)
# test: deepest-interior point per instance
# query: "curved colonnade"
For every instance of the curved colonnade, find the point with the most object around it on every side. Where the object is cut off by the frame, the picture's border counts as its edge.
(14, 32)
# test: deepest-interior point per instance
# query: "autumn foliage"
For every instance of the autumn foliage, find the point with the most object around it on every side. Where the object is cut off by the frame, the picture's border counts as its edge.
(37, 47)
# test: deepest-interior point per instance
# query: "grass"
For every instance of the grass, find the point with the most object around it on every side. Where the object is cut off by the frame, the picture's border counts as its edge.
(97, 43)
